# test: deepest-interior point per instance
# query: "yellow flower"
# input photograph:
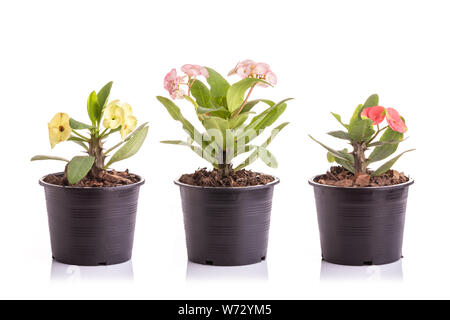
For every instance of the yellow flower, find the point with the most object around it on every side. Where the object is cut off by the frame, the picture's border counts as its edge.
(114, 115)
(59, 129)
(128, 126)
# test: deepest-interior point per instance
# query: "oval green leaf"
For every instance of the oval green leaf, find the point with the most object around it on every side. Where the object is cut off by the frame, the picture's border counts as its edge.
(78, 168)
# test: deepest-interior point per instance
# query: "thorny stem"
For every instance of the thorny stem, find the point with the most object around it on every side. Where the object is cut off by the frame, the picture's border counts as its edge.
(245, 102)
(359, 158)
(96, 150)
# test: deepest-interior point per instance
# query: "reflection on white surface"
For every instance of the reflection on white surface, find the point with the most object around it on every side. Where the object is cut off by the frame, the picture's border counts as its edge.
(392, 271)
(70, 273)
(257, 271)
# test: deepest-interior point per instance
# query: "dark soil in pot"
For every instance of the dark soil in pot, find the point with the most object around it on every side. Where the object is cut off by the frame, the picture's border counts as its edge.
(227, 226)
(361, 225)
(91, 226)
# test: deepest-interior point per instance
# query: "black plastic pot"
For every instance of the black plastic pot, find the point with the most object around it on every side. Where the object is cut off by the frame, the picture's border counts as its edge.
(361, 226)
(91, 226)
(227, 226)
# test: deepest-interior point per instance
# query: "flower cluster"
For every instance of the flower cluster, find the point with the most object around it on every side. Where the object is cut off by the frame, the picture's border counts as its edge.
(377, 114)
(251, 69)
(117, 115)
(173, 82)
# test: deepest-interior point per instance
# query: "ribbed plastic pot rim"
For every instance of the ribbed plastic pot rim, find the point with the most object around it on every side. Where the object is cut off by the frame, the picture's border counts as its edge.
(316, 184)
(260, 186)
(46, 184)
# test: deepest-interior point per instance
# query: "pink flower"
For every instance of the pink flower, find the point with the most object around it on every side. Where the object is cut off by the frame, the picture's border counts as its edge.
(376, 114)
(395, 121)
(172, 84)
(251, 69)
(193, 70)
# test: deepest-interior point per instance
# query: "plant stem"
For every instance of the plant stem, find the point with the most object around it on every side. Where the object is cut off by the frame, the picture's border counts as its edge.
(96, 150)
(376, 134)
(244, 103)
(81, 136)
(224, 167)
(360, 158)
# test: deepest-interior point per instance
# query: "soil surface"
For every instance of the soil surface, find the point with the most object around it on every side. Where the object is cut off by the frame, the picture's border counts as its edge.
(110, 178)
(340, 177)
(241, 178)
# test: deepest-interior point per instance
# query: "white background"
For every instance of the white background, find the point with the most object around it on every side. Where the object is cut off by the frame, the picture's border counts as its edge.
(328, 55)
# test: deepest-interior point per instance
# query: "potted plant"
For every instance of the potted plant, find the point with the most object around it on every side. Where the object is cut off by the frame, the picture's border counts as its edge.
(92, 208)
(226, 209)
(361, 212)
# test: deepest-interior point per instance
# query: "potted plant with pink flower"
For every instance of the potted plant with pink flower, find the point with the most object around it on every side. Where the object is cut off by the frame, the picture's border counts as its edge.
(361, 212)
(91, 207)
(226, 209)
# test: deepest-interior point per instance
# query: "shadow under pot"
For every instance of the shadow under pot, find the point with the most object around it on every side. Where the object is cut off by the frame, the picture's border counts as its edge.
(361, 226)
(227, 226)
(91, 226)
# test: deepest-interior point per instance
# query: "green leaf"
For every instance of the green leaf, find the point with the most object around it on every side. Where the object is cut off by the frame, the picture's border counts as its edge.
(138, 129)
(339, 119)
(238, 121)
(262, 121)
(337, 154)
(330, 157)
(356, 115)
(77, 125)
(175, 113)
(385, 167)
(103, 95)
(235, 94)
(382, 143)
(346, 164)
(94, 109)
(371, 101)
(78, 168)
(361, 130)
(219, 87)
(254, 155)
(384, 151)
(201, 94)
(340, 135)
(41, 157)
(215, 126)
(78, 141)
(131, 146)
(267, 157)
(203, 154)
(249, 105)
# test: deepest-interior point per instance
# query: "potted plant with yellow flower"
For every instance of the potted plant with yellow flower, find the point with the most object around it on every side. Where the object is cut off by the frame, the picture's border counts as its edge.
(92, 208)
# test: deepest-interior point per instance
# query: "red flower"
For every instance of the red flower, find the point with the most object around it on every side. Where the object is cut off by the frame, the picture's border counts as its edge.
(395, 121)
(376, 114)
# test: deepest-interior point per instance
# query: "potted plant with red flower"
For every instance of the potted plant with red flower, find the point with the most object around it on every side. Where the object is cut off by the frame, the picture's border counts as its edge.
(226, 209)
(92, 208)
(361, 212)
